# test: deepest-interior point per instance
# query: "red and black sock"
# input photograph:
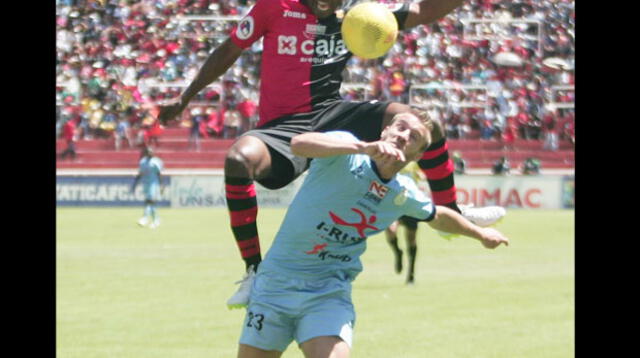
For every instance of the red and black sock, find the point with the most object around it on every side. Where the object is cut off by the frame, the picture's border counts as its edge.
(243, 211)
(438, 168)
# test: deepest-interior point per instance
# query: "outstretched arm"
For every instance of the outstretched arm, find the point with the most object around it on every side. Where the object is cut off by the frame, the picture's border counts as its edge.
(450, 221)
(428, 11)
(320, 145)
(135, 182)
(218, 62)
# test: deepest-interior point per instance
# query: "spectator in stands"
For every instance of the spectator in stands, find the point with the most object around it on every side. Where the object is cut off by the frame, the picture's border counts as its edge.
(69, 133)
(108, 51)
(214, 123)
(501, 167)
(550, 130)
(530, 166)
(123, 132)
(509, 133)
(459, 163)
(232, 123)
(197, 117)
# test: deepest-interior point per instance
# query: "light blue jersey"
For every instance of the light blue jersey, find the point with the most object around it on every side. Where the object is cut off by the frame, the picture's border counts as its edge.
(340, 203)
(302, 289)
(150, 169)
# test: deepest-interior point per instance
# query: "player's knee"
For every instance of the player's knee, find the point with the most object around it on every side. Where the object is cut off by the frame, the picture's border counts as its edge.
(237, 163)
(247, 158)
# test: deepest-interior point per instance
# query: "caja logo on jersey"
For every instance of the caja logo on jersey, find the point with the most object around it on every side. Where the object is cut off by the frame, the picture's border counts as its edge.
(289, 45)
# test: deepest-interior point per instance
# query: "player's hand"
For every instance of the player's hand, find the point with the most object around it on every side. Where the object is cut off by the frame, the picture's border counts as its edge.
(492, 238)
(381, 150)
(170, 109)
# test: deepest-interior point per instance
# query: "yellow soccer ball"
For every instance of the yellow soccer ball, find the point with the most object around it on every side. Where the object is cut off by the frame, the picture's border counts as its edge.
(369, 30)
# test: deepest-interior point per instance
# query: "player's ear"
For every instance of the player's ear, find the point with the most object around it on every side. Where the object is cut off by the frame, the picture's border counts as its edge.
(384, 132)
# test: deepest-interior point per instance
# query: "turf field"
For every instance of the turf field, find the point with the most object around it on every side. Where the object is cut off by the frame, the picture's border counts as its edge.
(125, 291)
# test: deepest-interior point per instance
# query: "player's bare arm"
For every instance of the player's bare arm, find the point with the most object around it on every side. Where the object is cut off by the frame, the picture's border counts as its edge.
(218, 62)
(320, 145)
(448, 220)
(428, 11)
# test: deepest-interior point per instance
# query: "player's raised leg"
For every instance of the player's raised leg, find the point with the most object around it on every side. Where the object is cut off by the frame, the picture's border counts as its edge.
(247, 159)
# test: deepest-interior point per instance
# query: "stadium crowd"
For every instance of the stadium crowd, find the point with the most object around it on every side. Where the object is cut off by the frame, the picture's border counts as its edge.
(493, 78)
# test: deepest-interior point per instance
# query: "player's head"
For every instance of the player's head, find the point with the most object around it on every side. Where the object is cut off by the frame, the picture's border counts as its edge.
(147, 151)
(410, 132)
(323, 8)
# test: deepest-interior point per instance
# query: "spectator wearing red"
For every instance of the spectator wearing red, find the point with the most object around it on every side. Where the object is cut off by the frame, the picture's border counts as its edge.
(69, 135)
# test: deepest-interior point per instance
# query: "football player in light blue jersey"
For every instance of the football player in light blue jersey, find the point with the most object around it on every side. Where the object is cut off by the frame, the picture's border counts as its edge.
(150, 168)
(302, 290)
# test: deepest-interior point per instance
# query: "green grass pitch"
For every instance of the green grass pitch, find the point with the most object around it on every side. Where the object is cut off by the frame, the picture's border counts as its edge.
(125, 291)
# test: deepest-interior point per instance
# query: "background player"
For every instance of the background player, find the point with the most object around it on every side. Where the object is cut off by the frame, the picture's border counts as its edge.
(301, 72)
(302, 290)
(412, 170)
(150, 168)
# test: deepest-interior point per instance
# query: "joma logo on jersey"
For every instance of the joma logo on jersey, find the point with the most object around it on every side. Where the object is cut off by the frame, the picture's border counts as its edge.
(288, 45)
(294, 14)
(378, 189)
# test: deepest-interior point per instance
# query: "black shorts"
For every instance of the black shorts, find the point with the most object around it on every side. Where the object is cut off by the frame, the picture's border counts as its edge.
(362, 119)
(409, 222)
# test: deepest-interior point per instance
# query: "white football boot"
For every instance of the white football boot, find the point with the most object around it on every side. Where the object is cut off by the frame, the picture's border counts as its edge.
(240, 299)
(144, 221)
(484, 216)
(155, 224)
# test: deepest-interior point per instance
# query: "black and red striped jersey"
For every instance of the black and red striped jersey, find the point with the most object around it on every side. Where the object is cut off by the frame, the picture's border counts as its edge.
(303, 57)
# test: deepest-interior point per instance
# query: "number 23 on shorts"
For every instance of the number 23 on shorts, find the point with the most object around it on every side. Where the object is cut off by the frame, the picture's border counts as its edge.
(255, 320)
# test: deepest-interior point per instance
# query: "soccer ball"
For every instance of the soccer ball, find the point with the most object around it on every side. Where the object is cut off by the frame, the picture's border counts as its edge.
(369, 30)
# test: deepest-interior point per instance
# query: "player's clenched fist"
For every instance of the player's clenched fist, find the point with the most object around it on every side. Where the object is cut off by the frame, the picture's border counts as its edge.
(381, 150)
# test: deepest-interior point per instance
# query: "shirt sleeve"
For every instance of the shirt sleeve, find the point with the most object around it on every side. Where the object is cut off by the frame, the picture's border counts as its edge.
(326, 161)
(255, 24)
(418, 205)
(400, 11)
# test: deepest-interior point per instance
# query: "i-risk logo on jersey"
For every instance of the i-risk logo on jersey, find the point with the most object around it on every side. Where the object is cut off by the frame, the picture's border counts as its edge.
(377, 191)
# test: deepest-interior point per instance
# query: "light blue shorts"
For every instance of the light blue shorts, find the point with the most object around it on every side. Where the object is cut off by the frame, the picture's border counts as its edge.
(284, 309)
(151, 191)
